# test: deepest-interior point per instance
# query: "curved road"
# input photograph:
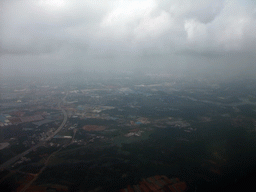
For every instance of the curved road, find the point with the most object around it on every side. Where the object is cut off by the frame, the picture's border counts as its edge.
(16, 158)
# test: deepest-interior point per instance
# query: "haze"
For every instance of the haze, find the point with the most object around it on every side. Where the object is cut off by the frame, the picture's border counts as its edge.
(127, 95)
(199, 37)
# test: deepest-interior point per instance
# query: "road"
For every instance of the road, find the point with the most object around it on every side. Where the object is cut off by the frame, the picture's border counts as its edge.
(60, 127)
(46, 164)
(41, 170)
(16, 158)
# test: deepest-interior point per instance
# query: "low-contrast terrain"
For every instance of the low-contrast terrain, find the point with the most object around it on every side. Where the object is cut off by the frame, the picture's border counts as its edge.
(111, 133)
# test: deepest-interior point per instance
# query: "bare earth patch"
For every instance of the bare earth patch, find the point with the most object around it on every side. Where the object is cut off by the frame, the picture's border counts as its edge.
(93, 128)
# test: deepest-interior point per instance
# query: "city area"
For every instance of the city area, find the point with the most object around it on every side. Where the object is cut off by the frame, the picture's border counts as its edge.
(78, 133)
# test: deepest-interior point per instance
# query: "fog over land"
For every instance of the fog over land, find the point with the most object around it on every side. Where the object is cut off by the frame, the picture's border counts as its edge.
(123, 95)
(215, 37)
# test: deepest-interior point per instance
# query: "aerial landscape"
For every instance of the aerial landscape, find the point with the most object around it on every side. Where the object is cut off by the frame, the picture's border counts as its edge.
(127, 95)
(112, 132)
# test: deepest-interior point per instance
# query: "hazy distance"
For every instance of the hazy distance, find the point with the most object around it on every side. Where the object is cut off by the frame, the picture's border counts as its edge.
(193, 37)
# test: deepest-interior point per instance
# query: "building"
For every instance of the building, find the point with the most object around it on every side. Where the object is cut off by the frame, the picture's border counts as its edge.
(157, 184)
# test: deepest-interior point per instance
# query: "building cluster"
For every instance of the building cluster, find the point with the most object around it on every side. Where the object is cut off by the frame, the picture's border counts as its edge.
(158, 184)
(4, 120)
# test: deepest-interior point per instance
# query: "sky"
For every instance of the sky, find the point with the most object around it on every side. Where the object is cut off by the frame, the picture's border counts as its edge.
(172, 36)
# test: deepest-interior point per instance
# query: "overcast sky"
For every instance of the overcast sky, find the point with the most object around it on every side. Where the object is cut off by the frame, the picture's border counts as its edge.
(39, 36)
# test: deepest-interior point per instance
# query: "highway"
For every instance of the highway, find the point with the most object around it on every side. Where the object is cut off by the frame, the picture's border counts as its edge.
(61, 126)
(16, 158)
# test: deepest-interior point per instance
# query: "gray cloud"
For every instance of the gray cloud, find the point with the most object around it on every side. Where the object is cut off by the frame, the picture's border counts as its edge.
(120, 35)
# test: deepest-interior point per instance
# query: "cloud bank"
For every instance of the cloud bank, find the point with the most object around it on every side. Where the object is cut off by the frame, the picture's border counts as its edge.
(45, 35)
